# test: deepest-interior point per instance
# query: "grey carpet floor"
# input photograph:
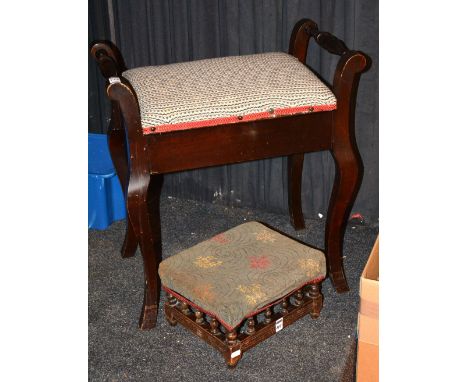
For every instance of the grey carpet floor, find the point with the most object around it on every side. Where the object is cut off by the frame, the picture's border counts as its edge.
(309, 350)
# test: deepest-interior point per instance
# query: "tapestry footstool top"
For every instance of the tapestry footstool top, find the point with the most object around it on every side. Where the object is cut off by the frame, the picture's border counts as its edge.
(241, 272)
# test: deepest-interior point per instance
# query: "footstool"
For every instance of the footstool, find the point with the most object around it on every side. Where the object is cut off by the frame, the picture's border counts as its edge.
(242, 286)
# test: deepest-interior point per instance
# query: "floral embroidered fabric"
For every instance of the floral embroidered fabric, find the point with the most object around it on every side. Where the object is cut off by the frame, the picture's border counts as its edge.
(241, 271)
(226, 90)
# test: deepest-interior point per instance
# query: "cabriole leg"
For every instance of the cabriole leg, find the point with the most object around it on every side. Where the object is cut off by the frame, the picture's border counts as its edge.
(346, 186)
(117, 143)
(295, 164)
(143, 207)
(348, 164)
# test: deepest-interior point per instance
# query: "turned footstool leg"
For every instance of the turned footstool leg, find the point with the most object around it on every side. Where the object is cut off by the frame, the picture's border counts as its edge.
(317, 300)
(234, 355)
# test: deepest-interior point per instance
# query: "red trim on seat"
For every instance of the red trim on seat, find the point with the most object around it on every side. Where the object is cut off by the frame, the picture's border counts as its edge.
(235, 119)
(228, 327)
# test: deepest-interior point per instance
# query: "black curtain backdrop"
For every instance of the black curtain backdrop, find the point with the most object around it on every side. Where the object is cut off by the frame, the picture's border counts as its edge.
(98, 103)
(160, 32)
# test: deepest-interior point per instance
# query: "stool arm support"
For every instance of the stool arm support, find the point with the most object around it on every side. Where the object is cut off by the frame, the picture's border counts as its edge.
(345, 84)
(344, 150)
(348, 162)
(143, 194)
(108, 58)
(304, 30)
(111, 64)
(348, 70)
(300, 36)
(329, 42)
(124, 102)
(298, 46)
(124, 95)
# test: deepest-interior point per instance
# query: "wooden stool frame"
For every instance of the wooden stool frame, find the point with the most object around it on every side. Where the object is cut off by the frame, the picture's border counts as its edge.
(151, 156)
(233, 344)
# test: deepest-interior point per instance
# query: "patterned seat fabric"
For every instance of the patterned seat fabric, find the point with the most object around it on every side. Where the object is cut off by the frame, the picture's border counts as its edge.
(226, 90)
(241, 272)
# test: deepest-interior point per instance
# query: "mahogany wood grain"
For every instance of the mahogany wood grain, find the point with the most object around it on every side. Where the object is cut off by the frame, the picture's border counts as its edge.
(143, 196)
(108, 57)
(295, 165)
(300, 36)
(348, 163)
(117, 143)
(242, 142)
(298, 47)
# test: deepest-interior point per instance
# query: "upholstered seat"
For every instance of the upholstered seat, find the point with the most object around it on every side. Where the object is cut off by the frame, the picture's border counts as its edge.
(241, 272)
(226, 90)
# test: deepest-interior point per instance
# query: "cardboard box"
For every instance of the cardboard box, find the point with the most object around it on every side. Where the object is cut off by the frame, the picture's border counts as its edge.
(367, 366)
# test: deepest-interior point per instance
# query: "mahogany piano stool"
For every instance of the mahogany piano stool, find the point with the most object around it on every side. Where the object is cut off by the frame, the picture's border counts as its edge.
(229, 110)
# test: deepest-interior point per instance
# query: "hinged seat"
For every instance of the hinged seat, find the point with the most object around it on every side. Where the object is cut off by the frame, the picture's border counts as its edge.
(226, 90)
(236, 276)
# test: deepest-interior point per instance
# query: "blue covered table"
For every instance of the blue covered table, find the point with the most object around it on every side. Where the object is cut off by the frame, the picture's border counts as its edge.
(106, 203)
